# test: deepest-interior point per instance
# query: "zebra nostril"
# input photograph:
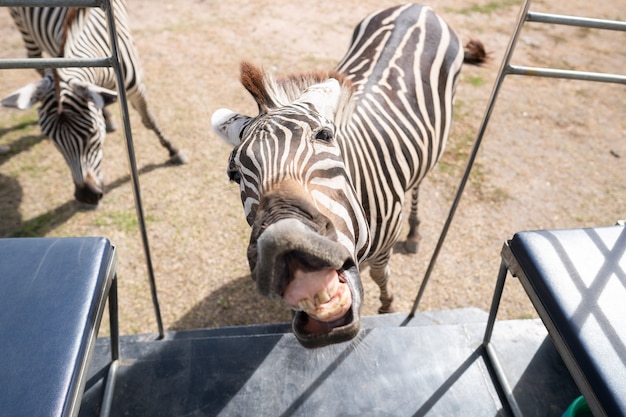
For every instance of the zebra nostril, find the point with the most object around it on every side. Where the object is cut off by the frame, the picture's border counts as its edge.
(88, 194)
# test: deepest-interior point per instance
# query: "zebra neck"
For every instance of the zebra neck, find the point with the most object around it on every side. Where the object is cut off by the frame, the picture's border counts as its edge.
(102, 77)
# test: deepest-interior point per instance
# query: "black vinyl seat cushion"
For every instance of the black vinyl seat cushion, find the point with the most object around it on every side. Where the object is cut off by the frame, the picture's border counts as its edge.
(576, 279)
(52, 293)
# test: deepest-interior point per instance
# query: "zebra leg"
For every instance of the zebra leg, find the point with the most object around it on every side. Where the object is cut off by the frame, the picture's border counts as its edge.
(148, 120)
(413, 238)
(110, 124)
(380, 275)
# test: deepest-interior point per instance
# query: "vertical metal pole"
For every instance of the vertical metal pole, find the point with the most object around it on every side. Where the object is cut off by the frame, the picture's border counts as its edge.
(114, 320)
(109, 390)
(131, 159)
(109, 387)
(495, 303)
(481, 132)
(492, 358)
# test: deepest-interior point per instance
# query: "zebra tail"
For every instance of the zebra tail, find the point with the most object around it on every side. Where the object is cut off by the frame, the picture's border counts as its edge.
(475, 53)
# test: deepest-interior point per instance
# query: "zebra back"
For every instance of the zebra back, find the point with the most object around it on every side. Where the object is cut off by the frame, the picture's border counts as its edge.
(80, 33)
(403, 63)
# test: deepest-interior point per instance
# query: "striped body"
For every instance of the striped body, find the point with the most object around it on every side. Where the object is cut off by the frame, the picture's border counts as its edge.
(332, 155)
(80, 33)
(73, 100)
(403, 63)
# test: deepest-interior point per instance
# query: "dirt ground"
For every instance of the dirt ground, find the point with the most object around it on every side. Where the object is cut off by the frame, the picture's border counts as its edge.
(554, 154)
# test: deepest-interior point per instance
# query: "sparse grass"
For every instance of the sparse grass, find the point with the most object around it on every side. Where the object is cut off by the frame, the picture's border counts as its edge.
(35, 227)
(44, 223)
(487, 8)
(455, 156)
(223, 302)
(476, 80)
(125, 221)
(21, 122)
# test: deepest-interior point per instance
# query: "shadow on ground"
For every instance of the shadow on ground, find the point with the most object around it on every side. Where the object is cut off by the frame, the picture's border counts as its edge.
(237, 299)
(11, 224)
(10, 200)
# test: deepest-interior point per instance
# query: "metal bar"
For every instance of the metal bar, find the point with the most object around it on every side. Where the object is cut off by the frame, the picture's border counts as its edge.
(133, 164)
(491, 321)
(43, 63)
(48, 3)
(502, 380)
(576, 21)
(109, 390)
(114, 320)
(567, 74)
(495, 302)
(470, 163)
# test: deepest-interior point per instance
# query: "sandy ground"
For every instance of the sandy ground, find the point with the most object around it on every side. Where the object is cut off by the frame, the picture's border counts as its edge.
(554, 154)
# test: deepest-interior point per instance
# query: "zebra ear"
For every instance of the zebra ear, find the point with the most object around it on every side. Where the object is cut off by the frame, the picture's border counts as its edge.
(229, 125)
(100, 96)
(27, 96)
(324, 97)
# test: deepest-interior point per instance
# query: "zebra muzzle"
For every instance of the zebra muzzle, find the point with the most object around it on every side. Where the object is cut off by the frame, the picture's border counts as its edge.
(287, 237)
(315, 276)
(88, 193)
(313, 331)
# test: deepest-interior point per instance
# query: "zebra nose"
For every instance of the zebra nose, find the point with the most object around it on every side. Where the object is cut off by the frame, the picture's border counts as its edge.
(88, 193)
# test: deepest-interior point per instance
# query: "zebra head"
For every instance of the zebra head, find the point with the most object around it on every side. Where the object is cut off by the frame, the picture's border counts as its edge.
(71, 115)
(308, 228)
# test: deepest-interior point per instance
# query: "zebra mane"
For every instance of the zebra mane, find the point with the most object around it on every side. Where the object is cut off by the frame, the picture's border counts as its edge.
(270, 92)
(72, 13)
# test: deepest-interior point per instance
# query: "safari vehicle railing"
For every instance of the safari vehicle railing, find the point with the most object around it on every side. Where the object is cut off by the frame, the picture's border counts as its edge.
(112, 61)
(507, 68)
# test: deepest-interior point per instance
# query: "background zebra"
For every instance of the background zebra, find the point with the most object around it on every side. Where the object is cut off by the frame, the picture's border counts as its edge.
(73, 100)
(324, 168)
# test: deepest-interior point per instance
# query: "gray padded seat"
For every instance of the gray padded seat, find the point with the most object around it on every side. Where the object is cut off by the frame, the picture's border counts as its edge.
(52, 296)
(576, 280)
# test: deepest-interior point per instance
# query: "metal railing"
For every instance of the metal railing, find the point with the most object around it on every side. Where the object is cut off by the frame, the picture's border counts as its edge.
(107, 61)
(507, 69)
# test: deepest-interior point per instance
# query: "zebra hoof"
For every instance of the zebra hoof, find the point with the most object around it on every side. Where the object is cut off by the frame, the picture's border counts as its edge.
(179, 158)
(411, 246)
(386, 308)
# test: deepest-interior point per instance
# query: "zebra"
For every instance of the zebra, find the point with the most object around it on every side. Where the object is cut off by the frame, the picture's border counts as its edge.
(324, 167)
(73, 111)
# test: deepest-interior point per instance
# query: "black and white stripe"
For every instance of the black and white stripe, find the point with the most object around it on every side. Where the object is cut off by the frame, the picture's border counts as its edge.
(346, 146)
(404, 64)
(73, 100)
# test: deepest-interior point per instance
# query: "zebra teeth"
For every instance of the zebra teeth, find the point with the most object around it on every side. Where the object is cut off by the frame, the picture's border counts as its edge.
(306, 304)
(335, 308)
(322, 297)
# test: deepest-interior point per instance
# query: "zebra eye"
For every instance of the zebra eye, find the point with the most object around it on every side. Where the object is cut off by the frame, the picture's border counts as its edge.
(234, 176)
(324, 135)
